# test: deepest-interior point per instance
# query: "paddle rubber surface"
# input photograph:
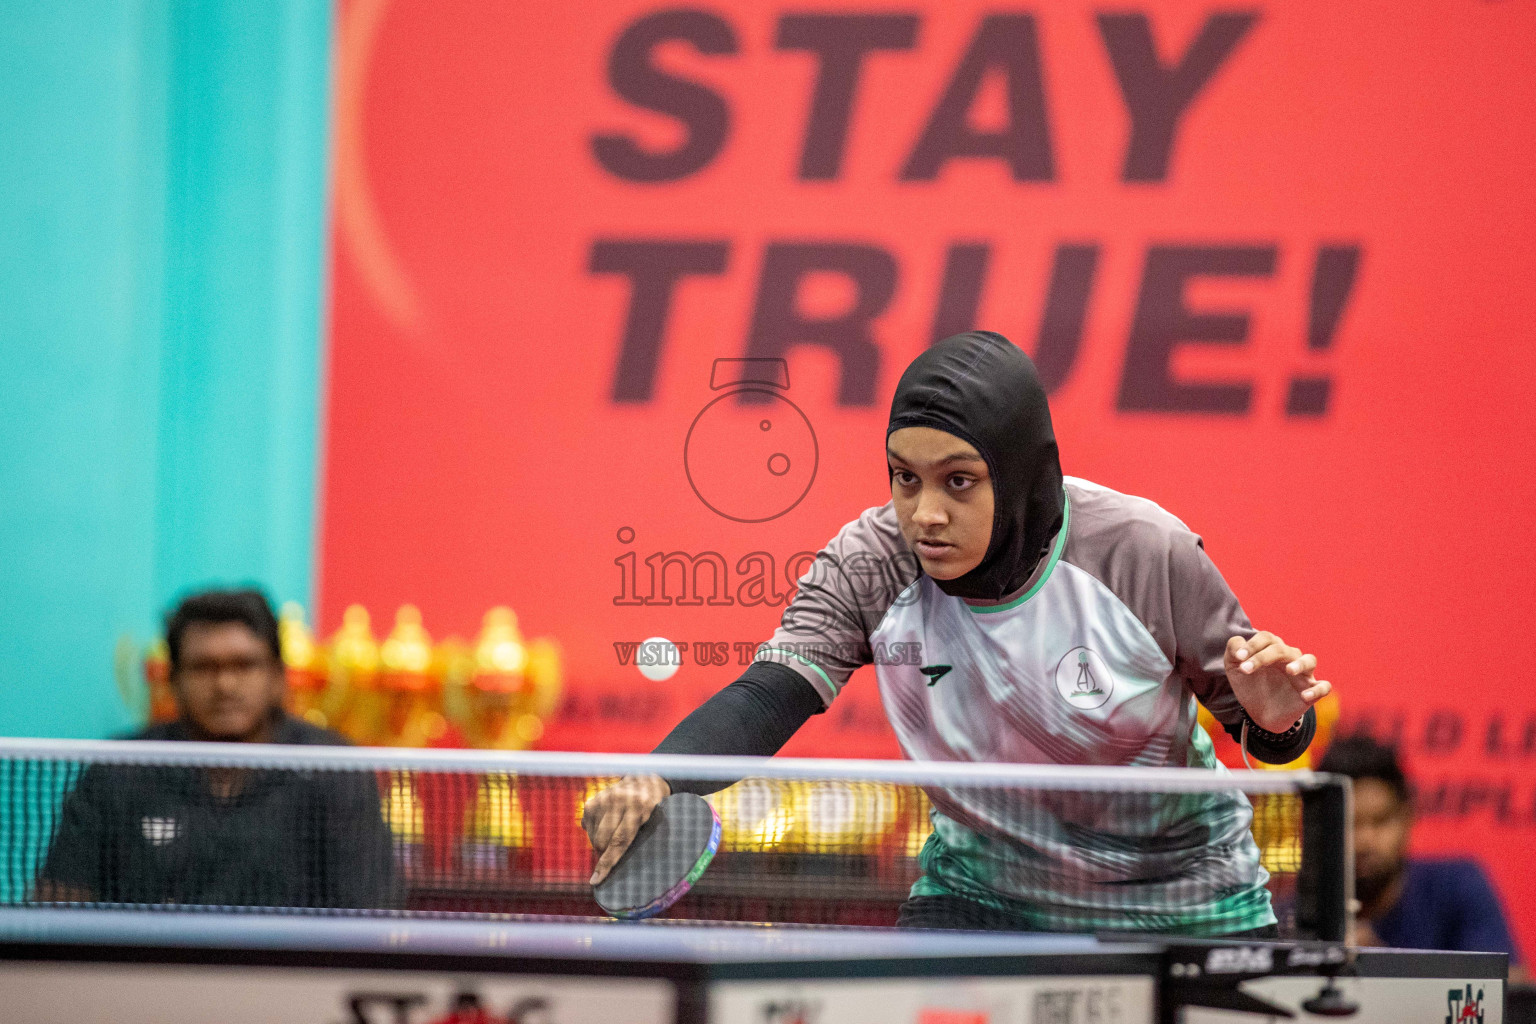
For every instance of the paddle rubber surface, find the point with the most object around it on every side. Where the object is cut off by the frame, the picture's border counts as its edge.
(669, 854)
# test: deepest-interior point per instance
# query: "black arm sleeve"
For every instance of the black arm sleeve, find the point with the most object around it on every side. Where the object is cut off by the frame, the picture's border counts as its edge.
(754, 716)
(1273, 748)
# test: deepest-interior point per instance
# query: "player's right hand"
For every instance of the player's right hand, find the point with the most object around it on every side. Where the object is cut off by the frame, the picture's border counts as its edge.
(613, 816)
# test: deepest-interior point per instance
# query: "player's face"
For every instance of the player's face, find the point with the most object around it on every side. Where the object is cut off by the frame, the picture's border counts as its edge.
(227, 683)
(943, 497)
(1381, 831)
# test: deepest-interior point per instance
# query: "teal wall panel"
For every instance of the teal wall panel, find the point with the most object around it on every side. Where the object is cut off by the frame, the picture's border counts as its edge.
(162, 201)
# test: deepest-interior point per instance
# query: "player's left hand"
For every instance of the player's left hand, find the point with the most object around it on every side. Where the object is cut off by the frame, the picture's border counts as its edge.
(1273, 680)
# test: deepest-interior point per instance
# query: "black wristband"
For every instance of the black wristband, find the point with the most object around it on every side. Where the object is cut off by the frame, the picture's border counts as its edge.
(1273, 739)
(1276, 747)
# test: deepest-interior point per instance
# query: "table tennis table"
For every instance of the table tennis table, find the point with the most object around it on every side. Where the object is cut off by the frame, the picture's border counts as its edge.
(76, 964)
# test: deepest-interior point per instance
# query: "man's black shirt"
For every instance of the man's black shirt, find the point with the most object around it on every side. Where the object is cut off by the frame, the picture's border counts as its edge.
(288, 838)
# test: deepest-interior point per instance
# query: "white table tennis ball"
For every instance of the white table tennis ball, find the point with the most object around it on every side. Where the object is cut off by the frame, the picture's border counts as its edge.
(658, 659)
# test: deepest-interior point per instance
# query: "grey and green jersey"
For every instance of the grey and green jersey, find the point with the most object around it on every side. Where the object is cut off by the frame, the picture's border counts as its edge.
(1097, 660)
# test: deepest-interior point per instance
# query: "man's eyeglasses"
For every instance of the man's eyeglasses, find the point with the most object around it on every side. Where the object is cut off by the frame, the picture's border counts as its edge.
(241, 668)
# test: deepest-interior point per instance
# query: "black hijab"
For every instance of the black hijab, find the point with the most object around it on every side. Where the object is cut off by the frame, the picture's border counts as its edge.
(981, 388)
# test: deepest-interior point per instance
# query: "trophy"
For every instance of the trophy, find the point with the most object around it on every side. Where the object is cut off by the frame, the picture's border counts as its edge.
(409, 686)
(514, 685)
(304, 665)
(354, 664)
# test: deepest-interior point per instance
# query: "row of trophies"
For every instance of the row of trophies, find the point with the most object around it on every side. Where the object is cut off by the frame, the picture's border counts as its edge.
(407, 691)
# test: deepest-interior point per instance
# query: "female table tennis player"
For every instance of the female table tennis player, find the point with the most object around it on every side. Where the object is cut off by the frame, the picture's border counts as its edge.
(1059, 622)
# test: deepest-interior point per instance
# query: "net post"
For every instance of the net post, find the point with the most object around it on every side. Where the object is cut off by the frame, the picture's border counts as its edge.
(1325, 885)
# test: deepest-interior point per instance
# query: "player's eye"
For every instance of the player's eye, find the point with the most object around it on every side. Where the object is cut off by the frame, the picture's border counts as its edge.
(904, 478)
(960, 482)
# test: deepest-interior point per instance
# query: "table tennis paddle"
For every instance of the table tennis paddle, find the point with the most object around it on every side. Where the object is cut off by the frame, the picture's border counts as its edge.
(668, 855)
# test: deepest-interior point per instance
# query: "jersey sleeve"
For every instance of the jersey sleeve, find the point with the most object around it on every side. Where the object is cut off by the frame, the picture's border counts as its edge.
(1206, 614)
(824, 635)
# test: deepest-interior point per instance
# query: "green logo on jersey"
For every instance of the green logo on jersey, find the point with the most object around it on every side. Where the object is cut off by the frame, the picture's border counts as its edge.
(1083, 679)
(935, 672)
(1086, 685)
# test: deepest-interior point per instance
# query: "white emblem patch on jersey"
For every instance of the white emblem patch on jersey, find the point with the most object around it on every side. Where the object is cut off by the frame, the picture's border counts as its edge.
(160, 831)
(1083, 680)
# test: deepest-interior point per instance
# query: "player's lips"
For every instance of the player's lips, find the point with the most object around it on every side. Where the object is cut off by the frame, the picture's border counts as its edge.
(933, 548)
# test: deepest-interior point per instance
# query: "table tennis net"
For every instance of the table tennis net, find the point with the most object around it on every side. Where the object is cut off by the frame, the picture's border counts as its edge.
(1049, 848)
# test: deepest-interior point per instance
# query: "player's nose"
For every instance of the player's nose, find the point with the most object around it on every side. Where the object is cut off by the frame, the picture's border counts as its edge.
(930, 509)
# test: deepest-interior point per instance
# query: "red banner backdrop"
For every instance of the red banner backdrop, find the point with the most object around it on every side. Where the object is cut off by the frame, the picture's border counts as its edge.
(1275, 264)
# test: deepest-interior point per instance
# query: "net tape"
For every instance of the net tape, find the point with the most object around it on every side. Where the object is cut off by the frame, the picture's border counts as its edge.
(1048, 847)
(691, 766)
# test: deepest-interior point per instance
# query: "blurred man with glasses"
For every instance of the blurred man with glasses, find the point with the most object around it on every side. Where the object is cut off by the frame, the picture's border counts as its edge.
(223, 836)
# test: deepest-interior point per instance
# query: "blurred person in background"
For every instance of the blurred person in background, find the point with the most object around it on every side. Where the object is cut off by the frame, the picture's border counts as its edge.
(223, 836)
(1411, 903)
